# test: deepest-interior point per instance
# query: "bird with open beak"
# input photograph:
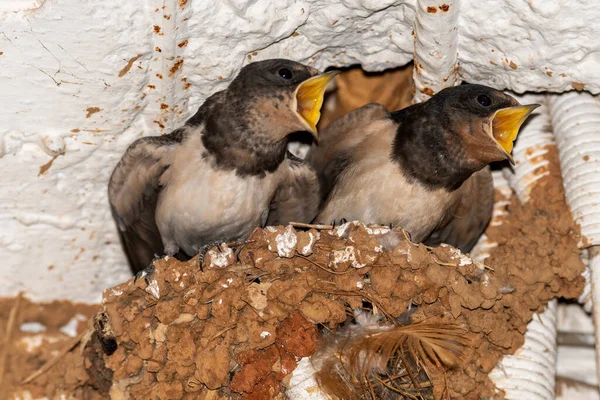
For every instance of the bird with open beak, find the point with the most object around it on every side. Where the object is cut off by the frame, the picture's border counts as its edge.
(424, 168)
(226, 171)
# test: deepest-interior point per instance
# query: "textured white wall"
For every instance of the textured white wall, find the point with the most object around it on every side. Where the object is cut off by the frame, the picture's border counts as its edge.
(79, 81)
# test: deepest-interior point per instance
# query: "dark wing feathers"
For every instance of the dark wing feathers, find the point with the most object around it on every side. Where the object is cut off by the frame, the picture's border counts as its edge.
(338, 140)
(297, 197)
(465, 223)
(133, 192)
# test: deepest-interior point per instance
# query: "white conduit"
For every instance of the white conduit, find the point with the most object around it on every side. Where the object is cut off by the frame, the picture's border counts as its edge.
(530, 373)
(436, 46)
(481, 250)
(576, 123)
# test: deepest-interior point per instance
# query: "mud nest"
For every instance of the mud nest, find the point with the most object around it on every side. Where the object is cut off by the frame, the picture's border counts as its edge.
(239, 325)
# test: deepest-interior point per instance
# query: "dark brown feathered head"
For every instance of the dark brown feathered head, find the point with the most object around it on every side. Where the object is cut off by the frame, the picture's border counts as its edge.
(456, 133)
(487, 120)
(280, 96)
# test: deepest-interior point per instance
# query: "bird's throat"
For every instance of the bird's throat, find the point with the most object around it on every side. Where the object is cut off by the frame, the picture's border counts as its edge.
(249, 155)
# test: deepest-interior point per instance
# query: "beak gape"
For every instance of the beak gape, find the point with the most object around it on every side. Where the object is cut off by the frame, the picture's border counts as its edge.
(506, 124)
(309, 99)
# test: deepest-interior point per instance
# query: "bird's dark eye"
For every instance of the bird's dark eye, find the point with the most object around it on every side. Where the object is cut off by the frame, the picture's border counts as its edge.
(285, 73)
(484, 100)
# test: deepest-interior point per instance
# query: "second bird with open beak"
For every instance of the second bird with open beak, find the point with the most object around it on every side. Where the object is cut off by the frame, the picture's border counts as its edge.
(424, 168)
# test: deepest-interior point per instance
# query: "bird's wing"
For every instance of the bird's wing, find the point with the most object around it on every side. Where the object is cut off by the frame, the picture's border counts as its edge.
(463, 224)
(133, 192)
(339, 138)
(297, 196)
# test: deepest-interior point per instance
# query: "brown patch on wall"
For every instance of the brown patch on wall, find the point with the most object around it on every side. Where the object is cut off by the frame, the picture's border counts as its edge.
(176, 66)
(127, 67)
(44, 168)
(91, 111)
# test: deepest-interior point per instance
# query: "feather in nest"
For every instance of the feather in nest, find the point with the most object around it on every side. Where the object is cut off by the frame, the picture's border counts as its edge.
(374, 360)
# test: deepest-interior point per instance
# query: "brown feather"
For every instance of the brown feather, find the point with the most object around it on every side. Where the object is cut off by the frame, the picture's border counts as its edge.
(297, 197)
(133, 191)
(383, 362)
(339, 140)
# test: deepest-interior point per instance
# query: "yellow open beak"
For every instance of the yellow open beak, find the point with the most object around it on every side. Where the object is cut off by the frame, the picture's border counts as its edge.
(505, 126)
(309, 99)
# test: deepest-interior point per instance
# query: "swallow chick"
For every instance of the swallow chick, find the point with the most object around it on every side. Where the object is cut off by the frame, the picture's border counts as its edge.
(224, 173)
(424, 168)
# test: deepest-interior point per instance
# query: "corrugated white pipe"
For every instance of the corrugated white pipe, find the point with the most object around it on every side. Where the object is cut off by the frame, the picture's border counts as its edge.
(481, 250)
(436, 46)
(576, 123)
(530, 373)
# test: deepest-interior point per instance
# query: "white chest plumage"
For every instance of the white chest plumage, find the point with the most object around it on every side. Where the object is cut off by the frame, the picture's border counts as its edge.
(199, 204)
(378, 193)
